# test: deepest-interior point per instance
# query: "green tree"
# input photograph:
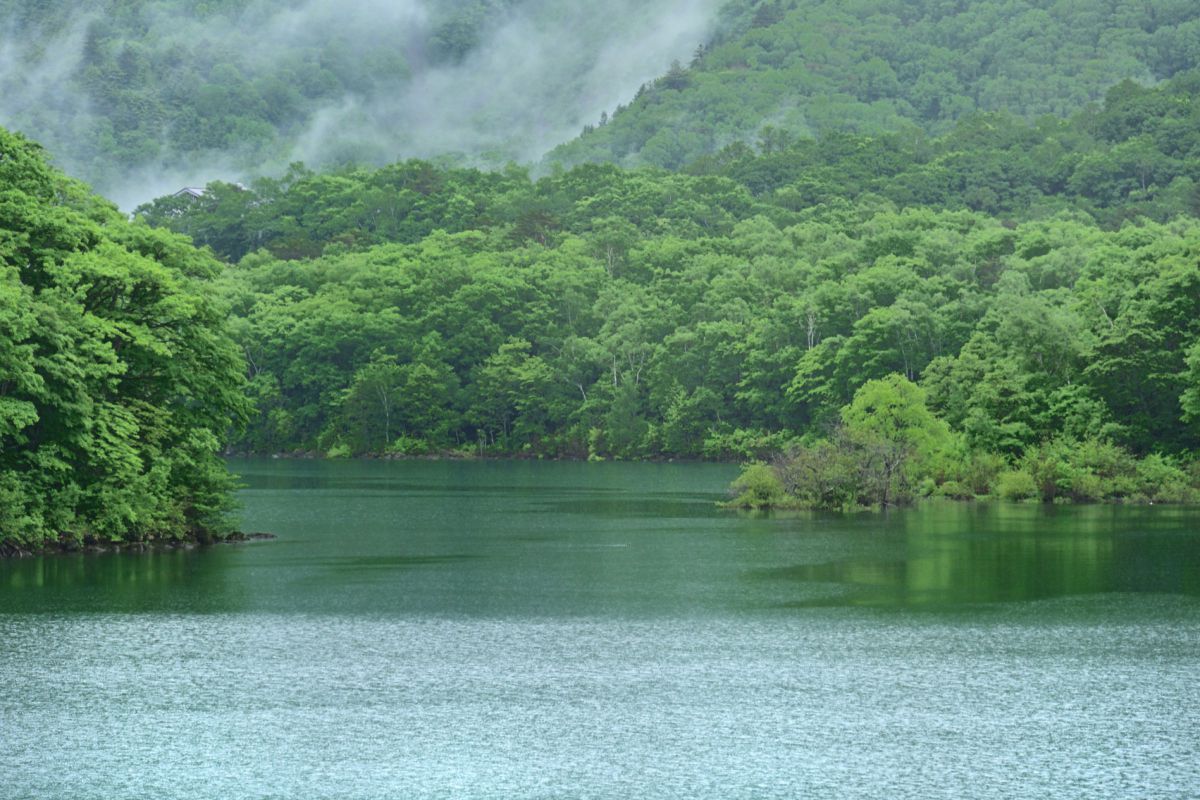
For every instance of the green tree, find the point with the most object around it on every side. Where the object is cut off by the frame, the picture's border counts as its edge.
(118, 379)
(369, 404)
(896, 433)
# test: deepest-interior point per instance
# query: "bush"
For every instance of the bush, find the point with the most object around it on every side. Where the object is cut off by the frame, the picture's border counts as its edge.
(1087, 470)
(757, 487)
(981, 471)
(1088, 487)
(829, 474)
(956, 491)
(409, 446)
(1160, 480)
(1016, 485)
(740, 443)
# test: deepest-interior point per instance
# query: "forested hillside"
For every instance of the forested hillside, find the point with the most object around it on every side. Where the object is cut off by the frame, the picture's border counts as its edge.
(712, 334)
(810, 67)
(117, 379)
(139, 98)
(1137, 155)
(1013, 269)
(982, 220)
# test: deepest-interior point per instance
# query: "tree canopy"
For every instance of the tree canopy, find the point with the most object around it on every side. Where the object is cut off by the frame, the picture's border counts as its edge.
(777, 69)
(1034, 279)
(117, 379)
(957, 259)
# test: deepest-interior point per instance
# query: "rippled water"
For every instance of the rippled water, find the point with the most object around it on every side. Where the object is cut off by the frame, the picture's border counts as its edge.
(528, 630)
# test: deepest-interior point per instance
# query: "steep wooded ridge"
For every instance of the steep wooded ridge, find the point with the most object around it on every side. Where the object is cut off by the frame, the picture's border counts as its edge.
(129, 84)
(809, 67)
(117, 379)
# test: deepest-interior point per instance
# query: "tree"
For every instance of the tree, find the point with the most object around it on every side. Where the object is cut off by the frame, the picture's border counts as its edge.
(428, 393)
(118, 380)
(1190, 401)
(511, 390)
(368, 406)
(895, 432)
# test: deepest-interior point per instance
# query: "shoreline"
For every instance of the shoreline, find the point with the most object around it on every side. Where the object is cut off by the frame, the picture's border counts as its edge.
(733, 505)
(454, 455)
(71, 547)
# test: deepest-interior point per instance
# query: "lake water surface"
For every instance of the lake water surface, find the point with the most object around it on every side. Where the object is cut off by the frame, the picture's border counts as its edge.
(543, 630)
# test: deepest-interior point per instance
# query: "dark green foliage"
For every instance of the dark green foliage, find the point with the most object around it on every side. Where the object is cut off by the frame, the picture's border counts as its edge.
(994, 164)
(813, 67)
(1093, 470)
(1037, 279)
(845, 471)
(117, 380)
(627, 314)
(1136, 156)
(886, 442)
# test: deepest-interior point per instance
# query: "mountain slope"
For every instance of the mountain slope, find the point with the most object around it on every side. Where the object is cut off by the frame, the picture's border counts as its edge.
(1008, 267)
(875, 66)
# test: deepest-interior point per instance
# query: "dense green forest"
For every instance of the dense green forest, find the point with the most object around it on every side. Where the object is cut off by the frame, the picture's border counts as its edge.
(1136, 155)
(1039, 281)
(883, 249)
(809, 67)
(152, 82)
(117, 379)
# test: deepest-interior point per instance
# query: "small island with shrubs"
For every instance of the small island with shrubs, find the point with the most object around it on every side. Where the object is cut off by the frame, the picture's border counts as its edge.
(888, 449)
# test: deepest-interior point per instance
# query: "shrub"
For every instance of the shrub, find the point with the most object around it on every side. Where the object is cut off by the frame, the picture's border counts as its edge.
(740, 443)
(1016, 485)
(757, 487)
(1161, 480)
(1088, 487)
(829, 474)
(956, 491)
(1087, 470)
(409, 446)
(980, 472)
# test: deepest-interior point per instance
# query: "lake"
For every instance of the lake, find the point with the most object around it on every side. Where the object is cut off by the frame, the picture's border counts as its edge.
(558, 630)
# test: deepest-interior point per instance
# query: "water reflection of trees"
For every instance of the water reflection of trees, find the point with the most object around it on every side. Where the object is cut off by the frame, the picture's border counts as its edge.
(961, 553)
(154, 580)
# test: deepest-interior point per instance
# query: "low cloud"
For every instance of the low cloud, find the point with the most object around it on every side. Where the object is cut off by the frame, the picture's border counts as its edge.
(540, 70)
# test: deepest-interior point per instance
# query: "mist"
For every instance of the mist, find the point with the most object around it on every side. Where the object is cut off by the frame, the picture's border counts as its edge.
(534, 73)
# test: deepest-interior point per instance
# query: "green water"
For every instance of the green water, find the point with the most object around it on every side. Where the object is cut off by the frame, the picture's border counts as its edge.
(531, 630)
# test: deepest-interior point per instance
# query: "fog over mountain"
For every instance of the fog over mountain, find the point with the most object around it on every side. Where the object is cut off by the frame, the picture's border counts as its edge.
(141, 98)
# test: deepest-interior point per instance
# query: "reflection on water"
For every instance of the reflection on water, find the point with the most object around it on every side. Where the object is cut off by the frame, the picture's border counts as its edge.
(104, 571)
(577, 539)
(956, 553)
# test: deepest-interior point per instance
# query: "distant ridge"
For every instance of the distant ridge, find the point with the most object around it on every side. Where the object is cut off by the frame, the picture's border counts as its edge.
(808, 67)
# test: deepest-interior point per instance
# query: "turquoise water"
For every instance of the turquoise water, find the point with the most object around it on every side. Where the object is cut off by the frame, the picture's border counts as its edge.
(536, 630)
